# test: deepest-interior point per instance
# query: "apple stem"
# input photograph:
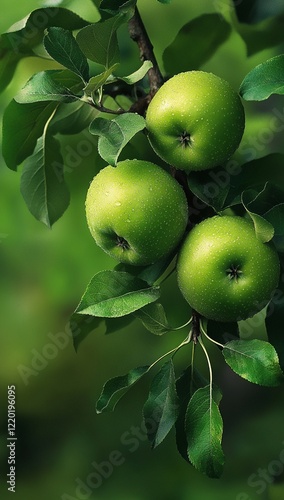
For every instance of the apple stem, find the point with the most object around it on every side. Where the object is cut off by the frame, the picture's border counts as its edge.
(195, 326)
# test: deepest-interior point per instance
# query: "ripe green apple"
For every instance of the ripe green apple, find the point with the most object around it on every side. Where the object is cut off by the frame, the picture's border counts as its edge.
(224, 272)
(137, 212)
(195, 121)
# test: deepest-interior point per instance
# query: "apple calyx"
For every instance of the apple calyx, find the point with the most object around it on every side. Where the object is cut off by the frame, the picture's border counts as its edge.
(234, 272)
(185, 139)
(122, 243)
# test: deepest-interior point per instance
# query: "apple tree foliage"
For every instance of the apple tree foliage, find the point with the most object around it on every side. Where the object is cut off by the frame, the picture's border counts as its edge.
(84, 91)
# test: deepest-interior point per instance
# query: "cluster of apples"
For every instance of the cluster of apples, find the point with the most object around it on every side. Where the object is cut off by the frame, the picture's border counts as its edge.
(138, 213)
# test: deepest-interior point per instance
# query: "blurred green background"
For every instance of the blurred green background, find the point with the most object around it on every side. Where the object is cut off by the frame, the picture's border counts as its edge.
(44, 272)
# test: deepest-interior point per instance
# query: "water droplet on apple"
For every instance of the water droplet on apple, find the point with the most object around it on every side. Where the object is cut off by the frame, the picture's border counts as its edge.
(117, 203)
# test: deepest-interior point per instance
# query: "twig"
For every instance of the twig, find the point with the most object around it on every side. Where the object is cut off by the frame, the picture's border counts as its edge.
(139, 35)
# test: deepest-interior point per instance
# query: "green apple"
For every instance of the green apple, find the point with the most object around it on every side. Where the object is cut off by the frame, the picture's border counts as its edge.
(195, 121)
(137, 212)
(224, 272)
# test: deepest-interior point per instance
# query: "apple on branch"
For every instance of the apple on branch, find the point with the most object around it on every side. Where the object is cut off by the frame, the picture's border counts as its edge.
(195, 121)
(136, 212)
(224, 272)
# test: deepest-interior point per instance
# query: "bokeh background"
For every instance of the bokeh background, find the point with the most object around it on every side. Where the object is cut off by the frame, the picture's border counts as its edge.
(43, 274)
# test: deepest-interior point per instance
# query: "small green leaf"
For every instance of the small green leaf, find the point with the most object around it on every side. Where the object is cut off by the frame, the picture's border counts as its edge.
(153, 317)
(160, 409)
(42, 182)
(115, 385)
(23, 124)
(43, 87)
(81, 326)
(205, 33)
(189, 381)
(264, 80)
(137, 75)
(98, 81)
(112, 294)
(99, 41)
(115, 134)
(254, 360)
(263, 229)
(204, 428)
(62, 46)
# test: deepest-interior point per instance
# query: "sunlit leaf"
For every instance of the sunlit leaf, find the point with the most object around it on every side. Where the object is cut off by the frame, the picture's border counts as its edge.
(62, 46)
(112, 294)
(264, 80)
(42, 182)
(254, 360)
(115, 134)
(204, 428)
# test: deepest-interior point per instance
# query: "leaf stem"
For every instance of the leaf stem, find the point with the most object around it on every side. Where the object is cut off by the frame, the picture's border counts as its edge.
(192, 368)
(209, 368)
(174, 351)
(209, 338)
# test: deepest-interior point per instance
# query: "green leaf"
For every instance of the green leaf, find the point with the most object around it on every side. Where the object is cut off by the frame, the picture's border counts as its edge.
(205, 33)
(42, 182)
(137, 75)
(99, 41)
(269, 170)
(115, 134)
(160, 409)
(112, 294)
(62, 46)
(8, 64)
(72, 118)
(81, 326)
(23, 124)
(43, 87)
(28, 33)
(150, 273)
(115, 385)
(153, 317)
(25, 35)
(210, 186)
(264, 80)
(189, 381)
(263, 35)
(263, 229)
(98, 81)
(204, 428)
(116, 6)
(276, 217)
(254, 360)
